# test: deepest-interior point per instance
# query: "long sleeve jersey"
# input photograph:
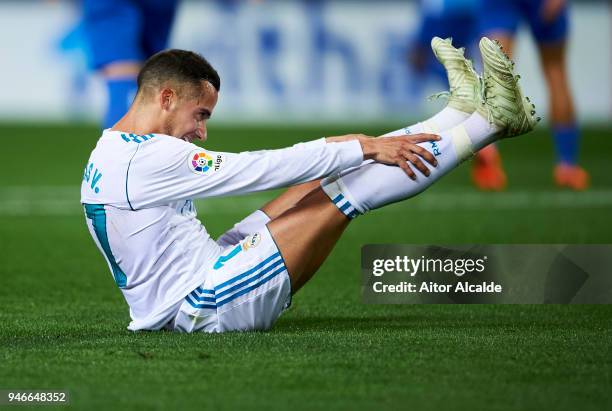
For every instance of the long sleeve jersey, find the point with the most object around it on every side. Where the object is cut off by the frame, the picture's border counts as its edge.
(138, 193)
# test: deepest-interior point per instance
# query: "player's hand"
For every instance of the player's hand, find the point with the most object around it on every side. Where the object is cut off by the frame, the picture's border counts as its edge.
(400, 151)
(551, 9)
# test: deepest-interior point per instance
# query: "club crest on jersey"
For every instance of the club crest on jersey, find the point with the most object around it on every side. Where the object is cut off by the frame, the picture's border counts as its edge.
(201, 162)
(251, 241)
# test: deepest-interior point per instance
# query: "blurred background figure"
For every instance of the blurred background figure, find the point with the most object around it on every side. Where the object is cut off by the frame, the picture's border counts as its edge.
(459, 20)
(120, 36)
(549, 25)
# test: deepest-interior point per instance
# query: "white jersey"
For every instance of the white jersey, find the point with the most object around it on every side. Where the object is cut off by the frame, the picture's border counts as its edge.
(138, 190)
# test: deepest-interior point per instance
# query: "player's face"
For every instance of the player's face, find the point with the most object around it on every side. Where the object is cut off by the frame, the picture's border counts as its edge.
(187, 120)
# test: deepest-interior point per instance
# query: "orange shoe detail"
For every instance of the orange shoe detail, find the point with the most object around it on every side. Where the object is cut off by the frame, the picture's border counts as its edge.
(571, 176)
(487, 171)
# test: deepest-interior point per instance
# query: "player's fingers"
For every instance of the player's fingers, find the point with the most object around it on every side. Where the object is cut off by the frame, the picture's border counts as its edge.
(422, 137)
(416, 161)
(425, 154)
(404, 166)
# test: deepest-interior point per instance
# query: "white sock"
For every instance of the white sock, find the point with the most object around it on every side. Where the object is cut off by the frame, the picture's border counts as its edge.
(443, 120)
(374, 185)
(481, 132)
(249, 225)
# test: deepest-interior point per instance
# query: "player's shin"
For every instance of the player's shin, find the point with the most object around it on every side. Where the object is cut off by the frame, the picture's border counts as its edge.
(375, 185)
(443, 120)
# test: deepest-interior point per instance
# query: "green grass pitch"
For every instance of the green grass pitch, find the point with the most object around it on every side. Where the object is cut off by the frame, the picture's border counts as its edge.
(62, 320)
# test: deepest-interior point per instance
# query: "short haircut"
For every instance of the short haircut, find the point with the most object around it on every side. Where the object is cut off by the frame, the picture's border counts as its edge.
(182, 69)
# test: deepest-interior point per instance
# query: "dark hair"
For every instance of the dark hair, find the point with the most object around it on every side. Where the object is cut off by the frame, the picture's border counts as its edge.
(180, 67)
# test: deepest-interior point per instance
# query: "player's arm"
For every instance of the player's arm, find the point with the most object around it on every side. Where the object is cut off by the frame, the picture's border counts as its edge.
(178, 171)
(264, 170)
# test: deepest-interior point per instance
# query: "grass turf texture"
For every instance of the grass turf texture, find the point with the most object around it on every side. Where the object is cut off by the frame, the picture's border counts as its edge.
(62, 320)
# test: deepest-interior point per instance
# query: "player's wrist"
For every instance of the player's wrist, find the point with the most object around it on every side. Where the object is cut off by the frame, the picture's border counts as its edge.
(347, 137)
(337, 139)
(367, 148)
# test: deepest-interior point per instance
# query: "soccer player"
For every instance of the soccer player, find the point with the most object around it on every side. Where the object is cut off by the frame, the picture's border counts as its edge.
(548, 21)
(142, 176)
(121, 35)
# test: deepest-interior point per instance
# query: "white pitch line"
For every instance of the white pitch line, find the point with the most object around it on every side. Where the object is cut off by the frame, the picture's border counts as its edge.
(64, 200)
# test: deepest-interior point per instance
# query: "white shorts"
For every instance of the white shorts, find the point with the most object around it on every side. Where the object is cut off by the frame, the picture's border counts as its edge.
(247, 289)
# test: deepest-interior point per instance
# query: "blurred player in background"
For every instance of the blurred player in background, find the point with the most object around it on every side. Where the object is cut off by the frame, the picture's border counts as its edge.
(444, 18)
(121, 35)
(548, 22)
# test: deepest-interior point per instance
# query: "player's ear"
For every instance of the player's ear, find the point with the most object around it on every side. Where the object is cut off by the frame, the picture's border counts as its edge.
(167, 96)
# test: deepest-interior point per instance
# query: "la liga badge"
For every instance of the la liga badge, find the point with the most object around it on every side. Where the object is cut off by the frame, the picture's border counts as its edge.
(201, 162)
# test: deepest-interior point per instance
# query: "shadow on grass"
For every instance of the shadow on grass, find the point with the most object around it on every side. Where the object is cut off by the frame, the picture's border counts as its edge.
(440, 317)
(317, 323)
(383, 322)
